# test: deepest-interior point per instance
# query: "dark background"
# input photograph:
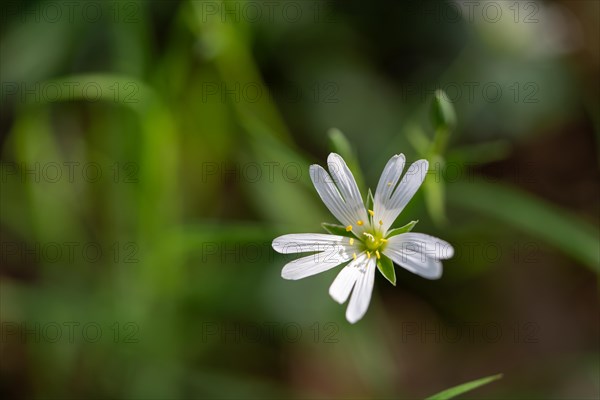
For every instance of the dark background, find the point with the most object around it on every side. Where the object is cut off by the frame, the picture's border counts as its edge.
(151, 151)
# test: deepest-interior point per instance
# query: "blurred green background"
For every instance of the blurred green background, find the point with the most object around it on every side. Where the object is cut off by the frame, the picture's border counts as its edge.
(151, 151)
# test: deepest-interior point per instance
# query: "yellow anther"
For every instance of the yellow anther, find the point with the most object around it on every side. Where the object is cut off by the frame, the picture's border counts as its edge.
(377, 254)
(368, 254)
(359, 222)
(380, 222)
(371, 213)
(354, 255)
(389, 183)
(348, 228)
(351, 241)
(383, 240)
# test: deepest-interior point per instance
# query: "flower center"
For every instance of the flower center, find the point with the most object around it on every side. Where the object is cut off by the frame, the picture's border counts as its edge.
(373, 243)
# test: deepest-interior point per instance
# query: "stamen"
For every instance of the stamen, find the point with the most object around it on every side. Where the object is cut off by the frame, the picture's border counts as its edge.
(348, 228)
(368, 235)
(380, 222)
(359, 222)
(377, 254)
(389, 184)
(371, 213)
(354, 255)
(368, 254)
(383, 240)
(351, 241)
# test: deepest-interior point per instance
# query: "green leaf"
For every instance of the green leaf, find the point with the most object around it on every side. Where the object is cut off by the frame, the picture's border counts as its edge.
(386, 267)
(338, 230)
(403, 229)
(443, 114)
(340, 143)
(480, 153)
(465, 387)
(434, 192)
(370, 200)
(417, 138)
(530, 214)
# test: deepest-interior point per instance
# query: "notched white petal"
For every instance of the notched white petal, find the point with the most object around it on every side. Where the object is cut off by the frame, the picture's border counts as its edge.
(361, 295)
(419, 253)
(346, 184)
(418, 264)
(406, 189)
(344, 282)
(308, 242)
(422, 243)
(330, 195)
(312, 264)
(387, 183)
(343, 178)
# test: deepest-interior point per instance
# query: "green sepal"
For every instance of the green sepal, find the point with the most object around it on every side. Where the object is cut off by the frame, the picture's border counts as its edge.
(370, 200)
(403, 229)
(442, 111)
(338, 230)
(386, 267)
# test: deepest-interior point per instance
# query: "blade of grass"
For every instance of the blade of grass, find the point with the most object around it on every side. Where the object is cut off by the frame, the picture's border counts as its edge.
(465, 387)
(232, 57)
(532, 215)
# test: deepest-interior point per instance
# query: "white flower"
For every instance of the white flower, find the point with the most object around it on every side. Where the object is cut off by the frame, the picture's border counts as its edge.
(365, 238)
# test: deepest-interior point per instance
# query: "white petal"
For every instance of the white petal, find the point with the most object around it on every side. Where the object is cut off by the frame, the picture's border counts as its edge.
(406, 189)
(346, 184)
(312, 265)
(330, 194)
(387, 182)
(421, 265)
(419, 253)
(309, 242)
(361, 295)
(339, 193)
(342, 285)
(425, 244)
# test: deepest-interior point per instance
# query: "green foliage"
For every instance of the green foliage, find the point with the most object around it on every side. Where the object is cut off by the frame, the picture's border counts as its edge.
(186, 250)
(340, 144)
(442, 110)
(386, 267)
(337, 229)
(443, 117)
(370, 200)
(464, 388)
(403, 229)
(531, 215)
